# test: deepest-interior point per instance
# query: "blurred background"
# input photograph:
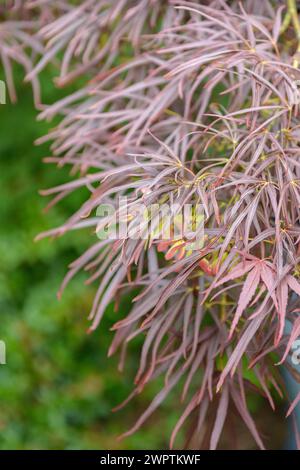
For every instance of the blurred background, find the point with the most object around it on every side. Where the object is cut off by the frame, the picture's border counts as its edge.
(58, 386)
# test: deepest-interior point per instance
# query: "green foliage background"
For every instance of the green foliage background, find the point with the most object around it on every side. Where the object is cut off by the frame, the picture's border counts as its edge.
(58, 387)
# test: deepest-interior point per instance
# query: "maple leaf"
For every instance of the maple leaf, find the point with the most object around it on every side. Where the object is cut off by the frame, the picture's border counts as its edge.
(291, 282)
(258, 272)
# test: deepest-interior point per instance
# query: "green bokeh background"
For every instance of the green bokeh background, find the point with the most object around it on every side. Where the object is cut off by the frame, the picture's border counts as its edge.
(58, 386)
